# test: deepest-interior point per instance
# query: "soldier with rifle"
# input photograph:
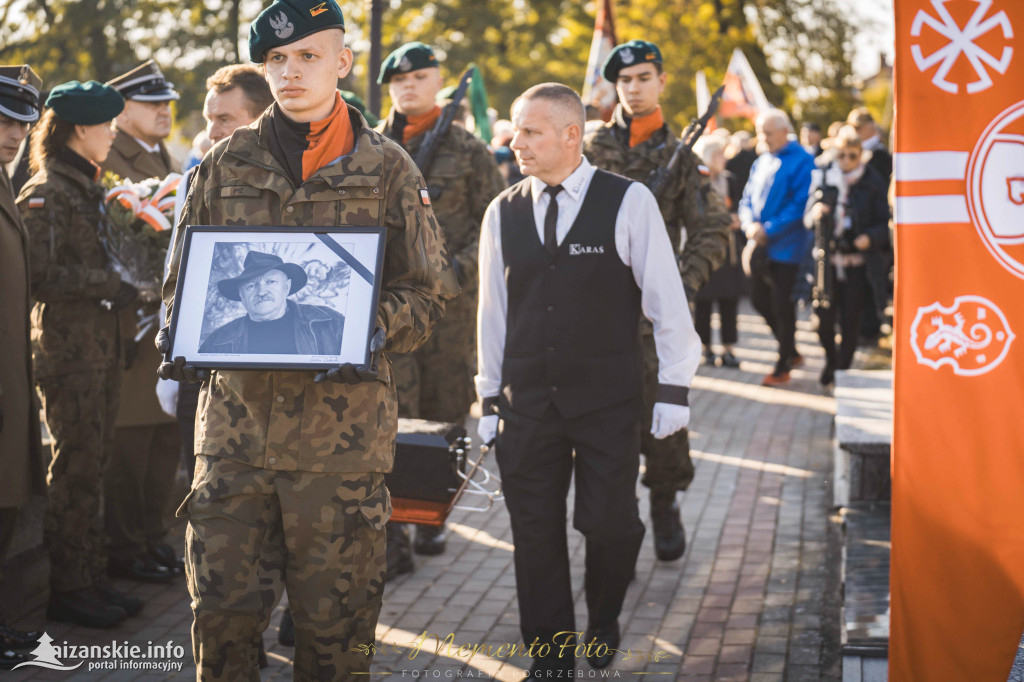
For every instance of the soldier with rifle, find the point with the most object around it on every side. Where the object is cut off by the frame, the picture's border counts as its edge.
(436, 381)
(639, 144)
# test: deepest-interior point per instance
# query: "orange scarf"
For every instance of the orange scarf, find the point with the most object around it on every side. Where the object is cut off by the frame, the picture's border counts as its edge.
(328, 139)
(417, 125)
(642, 127)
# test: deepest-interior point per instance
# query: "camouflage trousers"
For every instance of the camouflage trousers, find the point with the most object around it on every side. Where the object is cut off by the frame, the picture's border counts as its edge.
(251, 533)
(436, 381)
(80, 411)
(667, 461)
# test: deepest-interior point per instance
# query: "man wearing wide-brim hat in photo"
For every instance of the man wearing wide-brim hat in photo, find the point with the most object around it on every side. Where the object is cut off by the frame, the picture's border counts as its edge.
(272, 323)
(21, 464)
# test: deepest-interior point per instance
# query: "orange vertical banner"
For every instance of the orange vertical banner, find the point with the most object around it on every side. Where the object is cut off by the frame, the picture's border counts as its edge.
(957, 579)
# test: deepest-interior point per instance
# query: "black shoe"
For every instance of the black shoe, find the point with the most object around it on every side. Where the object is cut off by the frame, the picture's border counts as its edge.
(143, 568)
(165, 556)
(709, 357)
(601, 643)
(828, 375)
(430, 540)
(112, 595)
(669, 534)
(286, 630)
(18, 640)
(85, 608)
(729, 360)
(10, 658)
(399, 550)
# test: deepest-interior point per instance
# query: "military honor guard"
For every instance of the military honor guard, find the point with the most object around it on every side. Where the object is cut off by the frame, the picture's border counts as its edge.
(21, 471)
(76, 342)
(634, 143)
(436, 381)
(570, 259)
(317, 494)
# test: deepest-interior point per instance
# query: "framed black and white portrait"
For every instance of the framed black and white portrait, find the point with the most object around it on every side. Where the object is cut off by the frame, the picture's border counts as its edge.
(277, 298)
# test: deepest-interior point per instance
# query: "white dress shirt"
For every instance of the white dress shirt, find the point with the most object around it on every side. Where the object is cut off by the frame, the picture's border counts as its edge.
(642, 244)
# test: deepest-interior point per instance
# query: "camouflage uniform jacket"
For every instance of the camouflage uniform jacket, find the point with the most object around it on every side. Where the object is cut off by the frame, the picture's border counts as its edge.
(71, 331)
(283, 420)
(463, 179)
(690, 202)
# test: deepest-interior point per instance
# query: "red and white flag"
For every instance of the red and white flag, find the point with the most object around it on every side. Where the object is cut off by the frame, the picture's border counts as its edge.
(743, 96)
(597, 92)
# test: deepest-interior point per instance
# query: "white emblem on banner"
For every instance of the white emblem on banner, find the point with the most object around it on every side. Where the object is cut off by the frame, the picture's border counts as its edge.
(961, 43)
(995, 188)
(972, 336)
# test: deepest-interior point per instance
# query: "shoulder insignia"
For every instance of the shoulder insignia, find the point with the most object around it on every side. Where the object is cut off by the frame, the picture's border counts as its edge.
(424, 196)
(37, 202)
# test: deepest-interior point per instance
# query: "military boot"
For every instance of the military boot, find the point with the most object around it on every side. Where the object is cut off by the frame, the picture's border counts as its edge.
(399, 550)
(430, 540)
(112, 595)
(286, 630)
(83, 607)
(669, 534)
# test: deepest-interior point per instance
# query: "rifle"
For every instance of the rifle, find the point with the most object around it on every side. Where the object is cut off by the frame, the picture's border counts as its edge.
(428, 147)
(658, 180)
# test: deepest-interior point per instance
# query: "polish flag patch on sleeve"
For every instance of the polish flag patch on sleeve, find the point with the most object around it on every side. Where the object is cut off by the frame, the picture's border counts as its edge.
(425, 196)
(36, 202)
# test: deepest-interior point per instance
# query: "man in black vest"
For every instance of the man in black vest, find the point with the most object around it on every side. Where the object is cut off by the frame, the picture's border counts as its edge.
(569, 259)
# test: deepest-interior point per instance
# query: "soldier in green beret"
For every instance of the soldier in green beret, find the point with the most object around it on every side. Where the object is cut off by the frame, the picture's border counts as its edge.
(76, 344)
(635, 142)
(289, 478)
(436, 382)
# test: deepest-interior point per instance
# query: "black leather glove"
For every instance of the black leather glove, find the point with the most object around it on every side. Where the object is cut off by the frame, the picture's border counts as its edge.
(163, 341)
(349, 373)
(179, 371)
(125, 296)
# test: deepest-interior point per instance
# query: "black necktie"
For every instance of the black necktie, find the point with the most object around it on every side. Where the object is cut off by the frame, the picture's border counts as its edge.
(551, 220)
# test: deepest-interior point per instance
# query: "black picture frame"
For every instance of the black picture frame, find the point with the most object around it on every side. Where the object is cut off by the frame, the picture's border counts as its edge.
(232, 311)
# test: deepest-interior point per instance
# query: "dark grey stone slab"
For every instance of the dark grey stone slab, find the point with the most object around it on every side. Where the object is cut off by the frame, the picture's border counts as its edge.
(866, 579)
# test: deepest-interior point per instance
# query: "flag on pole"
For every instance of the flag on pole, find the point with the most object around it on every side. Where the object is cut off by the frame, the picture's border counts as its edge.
(597, 92)
(743, 96)
(957, 578)
(478, 106)
(704, 101)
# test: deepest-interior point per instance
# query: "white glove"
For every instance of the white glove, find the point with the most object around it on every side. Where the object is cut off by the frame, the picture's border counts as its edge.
(487, 428)
(167, 394)
(668, 419)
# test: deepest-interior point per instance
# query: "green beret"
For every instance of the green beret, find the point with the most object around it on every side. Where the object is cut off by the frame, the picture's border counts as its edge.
(409, 57)
(85, 104)
(630, 54)
(287, 21)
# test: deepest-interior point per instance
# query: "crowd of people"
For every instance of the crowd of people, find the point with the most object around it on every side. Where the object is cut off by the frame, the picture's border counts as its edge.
(537, 275)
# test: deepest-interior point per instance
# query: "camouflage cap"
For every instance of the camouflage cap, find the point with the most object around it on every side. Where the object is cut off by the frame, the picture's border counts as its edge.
(145, 83)
(85, 104)
(287, 21)
(630, 54)
(409, 57)
(19, 93)
(257, 263)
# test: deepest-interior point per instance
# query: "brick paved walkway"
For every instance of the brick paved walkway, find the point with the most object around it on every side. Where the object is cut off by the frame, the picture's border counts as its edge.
(753, 599)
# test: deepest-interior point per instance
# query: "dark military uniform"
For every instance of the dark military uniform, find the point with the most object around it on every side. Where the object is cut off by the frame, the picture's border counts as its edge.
(689, 203)
(436, 382)
(75, 341)
(284, 459)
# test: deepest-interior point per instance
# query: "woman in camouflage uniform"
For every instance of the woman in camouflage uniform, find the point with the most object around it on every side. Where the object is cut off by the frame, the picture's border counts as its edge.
(75, 341)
